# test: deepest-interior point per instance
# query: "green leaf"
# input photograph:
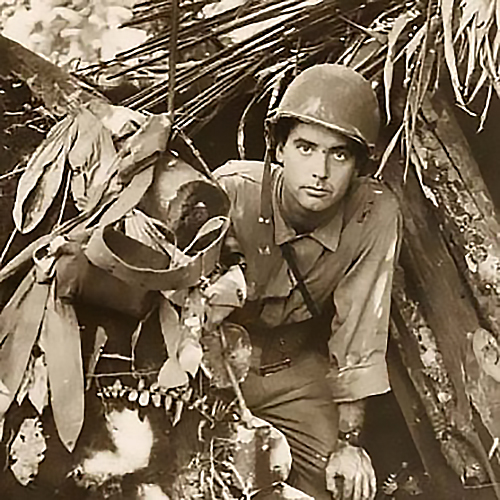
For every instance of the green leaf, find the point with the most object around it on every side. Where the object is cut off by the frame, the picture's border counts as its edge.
(60, 339)
(151, 138)
(100, 340)
(172, 375)
(414, 43)
(394, 34)
(171, 327)
(129, 197)
(190, 354)
(449, 52)
(39, 390)
(40, 183)
(93, 159)
(20, 323)
(388, 151)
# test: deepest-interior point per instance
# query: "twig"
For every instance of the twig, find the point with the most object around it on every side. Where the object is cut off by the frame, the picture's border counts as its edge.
(123, 374)
(172, 59)
(119, 357)
(7, 246)
(246, 414)
(226, 495)
(12, 173)
(65, 199)
(194, 150)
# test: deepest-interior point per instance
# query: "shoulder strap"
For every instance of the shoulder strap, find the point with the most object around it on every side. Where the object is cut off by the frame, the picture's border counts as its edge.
(289, 255)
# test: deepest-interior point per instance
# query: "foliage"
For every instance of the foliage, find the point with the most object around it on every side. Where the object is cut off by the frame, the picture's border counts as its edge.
(255, 45)
(222, 50)
(84, 31)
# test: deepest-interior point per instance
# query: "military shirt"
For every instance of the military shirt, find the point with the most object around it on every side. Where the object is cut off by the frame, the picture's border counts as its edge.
(348, 260)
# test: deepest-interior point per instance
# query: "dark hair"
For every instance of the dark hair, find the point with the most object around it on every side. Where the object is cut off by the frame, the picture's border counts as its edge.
(281, 130)
(283, 127)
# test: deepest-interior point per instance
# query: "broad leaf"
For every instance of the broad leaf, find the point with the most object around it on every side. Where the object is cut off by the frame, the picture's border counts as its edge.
(100, 341)
(38, 392)
(40, 183)
(93, 160)
(20, 323)
(172, 375)
(170, 327)
(118, 119)
(151, 138)
(129, 197)
(190, 354)
(60, 340)
(5, 400)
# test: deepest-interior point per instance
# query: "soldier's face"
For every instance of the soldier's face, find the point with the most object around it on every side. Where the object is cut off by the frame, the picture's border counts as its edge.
(318, 165)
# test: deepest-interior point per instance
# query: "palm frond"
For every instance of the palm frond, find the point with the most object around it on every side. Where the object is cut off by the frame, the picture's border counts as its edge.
(245, 48)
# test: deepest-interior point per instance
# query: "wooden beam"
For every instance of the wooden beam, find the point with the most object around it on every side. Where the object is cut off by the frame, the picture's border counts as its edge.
(56, 88)
(432, 316)
(464, 207)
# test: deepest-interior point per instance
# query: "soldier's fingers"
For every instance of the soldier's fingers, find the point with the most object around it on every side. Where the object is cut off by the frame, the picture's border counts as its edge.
(357, 491)
(332, 485)
(348, 488)
(373, 485)
(367, 488)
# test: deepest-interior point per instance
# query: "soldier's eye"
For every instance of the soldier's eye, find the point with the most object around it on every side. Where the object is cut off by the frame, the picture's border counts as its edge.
(305, 149)
(341, 155)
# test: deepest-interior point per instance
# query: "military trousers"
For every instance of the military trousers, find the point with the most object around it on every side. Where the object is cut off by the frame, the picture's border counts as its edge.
(298, 402)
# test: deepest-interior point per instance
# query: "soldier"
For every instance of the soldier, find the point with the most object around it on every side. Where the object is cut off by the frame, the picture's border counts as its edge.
(318, 254)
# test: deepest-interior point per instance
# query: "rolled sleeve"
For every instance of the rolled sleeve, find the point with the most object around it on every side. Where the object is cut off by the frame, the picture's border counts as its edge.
(358, 343)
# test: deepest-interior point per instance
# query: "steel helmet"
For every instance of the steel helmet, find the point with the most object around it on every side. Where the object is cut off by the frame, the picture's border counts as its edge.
(336, 97)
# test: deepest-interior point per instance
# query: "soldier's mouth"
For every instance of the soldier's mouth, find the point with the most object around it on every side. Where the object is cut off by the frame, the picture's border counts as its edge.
(317, 191)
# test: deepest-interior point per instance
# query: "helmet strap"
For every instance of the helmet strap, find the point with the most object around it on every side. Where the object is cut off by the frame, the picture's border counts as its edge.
(266, 206)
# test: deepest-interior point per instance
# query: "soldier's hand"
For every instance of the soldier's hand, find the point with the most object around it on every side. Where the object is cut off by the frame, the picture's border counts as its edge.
(350, 474)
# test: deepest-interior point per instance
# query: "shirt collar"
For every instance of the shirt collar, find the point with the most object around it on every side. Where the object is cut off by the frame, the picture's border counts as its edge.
(328, 234)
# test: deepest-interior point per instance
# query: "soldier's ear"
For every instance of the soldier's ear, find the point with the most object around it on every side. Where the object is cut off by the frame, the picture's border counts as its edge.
(279, 153)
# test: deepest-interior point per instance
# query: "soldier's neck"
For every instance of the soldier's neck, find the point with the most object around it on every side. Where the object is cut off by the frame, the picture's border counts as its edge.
(297, 217)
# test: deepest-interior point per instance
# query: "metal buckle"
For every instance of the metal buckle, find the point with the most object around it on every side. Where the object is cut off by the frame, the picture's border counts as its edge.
(271, 368)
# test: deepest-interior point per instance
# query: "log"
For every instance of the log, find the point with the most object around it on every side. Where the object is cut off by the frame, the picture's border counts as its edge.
(463, 206)
(470, 227)
(57, 89)
(431, 317)
(450, 288)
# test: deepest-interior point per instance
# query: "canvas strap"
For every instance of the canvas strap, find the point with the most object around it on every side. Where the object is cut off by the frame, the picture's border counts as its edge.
(288, 253)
